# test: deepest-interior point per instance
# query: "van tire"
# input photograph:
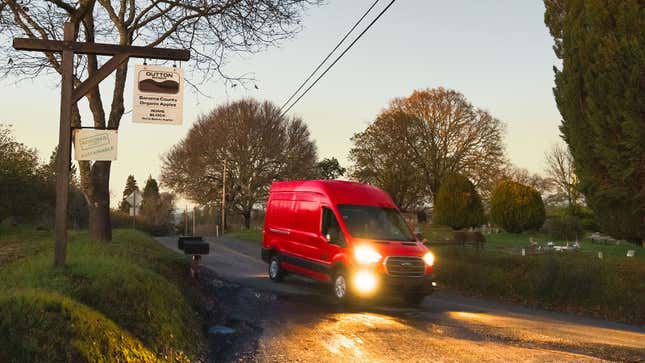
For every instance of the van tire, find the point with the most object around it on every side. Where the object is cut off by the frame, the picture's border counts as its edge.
(275, 271)
(340, 287)
(413, 299)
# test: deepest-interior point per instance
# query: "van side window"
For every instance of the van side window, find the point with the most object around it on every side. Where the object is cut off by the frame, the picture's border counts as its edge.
(331, 228)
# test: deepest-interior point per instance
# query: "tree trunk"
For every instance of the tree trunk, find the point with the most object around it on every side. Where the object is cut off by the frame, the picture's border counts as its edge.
(422, 217)
(247, 219)
(100, 225)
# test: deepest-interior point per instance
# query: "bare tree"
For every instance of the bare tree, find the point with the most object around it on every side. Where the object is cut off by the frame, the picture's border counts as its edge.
(211, 29)
(562, 176)
(420, 139)
(258, 145)
(384, 155)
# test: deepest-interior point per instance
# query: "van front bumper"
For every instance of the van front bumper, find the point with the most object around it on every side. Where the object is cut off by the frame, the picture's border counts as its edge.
(408, 285)
(366, 282)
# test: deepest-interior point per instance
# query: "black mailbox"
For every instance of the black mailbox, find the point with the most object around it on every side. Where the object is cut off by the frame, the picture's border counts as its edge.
(196, 247)
(181, 240)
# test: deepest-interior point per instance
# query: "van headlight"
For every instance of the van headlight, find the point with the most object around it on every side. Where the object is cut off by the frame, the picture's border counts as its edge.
(429, 258)
(366, 254)
(365, 282)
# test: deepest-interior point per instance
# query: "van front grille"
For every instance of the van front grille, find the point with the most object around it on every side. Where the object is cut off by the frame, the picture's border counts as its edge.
(401, 266)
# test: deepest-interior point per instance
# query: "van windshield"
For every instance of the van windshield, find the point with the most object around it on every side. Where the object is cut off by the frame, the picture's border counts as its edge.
(375, 223)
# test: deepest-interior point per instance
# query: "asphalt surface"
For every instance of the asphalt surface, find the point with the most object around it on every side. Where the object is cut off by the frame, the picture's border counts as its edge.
(297, 321)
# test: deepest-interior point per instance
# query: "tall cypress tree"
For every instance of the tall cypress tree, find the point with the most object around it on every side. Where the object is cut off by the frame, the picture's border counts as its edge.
(600, 91)
(150, 200)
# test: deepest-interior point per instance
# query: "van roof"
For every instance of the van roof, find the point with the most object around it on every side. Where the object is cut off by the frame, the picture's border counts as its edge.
(338, 191)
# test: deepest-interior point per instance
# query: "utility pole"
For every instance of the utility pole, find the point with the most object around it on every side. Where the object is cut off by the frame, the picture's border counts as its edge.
(224, 197)
(70, 95)
(194, 216)
(134, 209)
(186, 220)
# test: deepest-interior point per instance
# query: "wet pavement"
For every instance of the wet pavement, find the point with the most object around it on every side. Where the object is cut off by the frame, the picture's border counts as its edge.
(297, 321)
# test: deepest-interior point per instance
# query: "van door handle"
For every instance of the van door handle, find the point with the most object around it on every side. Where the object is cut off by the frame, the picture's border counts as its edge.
(278, 230)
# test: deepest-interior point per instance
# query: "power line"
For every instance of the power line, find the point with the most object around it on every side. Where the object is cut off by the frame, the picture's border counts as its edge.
(330, 54)
(339, 57)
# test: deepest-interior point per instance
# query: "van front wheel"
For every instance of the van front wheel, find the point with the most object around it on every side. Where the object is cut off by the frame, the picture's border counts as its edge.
(275, 271)
(341, 288)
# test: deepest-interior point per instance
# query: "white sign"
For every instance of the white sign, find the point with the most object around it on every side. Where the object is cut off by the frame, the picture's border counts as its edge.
(92, 144)
(134, 198)
(158, 95)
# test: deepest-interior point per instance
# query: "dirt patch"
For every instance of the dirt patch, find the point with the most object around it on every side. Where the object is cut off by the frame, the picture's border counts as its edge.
(232, 305)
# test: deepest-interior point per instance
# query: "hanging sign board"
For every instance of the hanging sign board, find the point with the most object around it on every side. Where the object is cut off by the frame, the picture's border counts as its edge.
(92, 144)
(158, 95)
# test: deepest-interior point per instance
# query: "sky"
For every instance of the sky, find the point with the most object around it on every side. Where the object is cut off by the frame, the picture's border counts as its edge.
(498, 53)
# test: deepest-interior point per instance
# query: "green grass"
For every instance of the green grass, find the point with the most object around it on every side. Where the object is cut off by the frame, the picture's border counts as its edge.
(511, 240)
(504, 241)
(125, 300)
(252, 235)
(435, 233)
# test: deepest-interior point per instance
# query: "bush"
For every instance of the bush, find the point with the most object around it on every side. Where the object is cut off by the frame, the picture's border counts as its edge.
(564, 228)
(458, 204)
(516, 207)
(611, 288)
(124, 220)
(588, 219)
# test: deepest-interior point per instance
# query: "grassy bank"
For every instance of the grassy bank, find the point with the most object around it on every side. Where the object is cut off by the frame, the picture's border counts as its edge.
(579, 283)
(120, 301)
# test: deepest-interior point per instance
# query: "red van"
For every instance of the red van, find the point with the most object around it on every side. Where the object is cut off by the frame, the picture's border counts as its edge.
(348, 234)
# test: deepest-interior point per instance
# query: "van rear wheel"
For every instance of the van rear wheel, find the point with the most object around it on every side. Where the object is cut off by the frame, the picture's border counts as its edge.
(275, 271)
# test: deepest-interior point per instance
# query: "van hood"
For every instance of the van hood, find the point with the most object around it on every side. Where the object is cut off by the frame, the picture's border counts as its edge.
(397, 248)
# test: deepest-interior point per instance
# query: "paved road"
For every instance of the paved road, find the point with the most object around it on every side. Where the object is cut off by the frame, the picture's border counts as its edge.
(302, 324)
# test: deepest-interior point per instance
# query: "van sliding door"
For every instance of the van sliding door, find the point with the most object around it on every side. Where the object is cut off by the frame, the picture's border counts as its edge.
(304, 233)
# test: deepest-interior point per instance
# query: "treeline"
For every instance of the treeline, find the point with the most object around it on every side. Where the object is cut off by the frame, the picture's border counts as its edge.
(434, 152)
(238, 150)
(151, 211)
(28, 194)
(419, 141)
(28, 187)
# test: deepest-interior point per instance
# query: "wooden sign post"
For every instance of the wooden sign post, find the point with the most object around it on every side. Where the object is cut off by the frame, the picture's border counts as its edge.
(70, 95)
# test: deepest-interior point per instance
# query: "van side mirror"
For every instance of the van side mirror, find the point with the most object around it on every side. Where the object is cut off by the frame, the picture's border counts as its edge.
(419, 236)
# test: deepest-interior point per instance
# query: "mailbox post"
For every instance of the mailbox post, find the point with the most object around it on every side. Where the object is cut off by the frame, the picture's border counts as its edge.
(195, 246)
